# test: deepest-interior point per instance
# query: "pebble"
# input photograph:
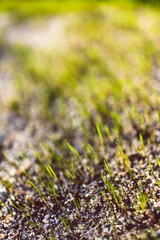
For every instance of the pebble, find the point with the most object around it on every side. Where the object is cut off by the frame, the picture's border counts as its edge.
(3, 196)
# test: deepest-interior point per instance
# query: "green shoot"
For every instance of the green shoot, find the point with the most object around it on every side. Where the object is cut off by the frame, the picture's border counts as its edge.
(39, 191)
(158, 161)
(150, 166)
(142, 198)
(51, 172)
(125, 160)
(73, 150)
(100, 136)
(142, 144)
(114, 194)
(104, 195)
(9, 210)
(108, 133)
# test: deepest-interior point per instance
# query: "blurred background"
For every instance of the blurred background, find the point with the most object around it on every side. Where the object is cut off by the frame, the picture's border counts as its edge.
(78, 63)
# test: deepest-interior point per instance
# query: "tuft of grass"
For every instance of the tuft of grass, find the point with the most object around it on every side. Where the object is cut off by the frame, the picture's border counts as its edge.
(142, 198)
(15, 106)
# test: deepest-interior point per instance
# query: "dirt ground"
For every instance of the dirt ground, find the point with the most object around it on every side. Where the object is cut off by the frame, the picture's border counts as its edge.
(76, 209)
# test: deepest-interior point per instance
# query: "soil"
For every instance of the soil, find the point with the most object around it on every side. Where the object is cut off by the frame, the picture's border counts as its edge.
(80, 210)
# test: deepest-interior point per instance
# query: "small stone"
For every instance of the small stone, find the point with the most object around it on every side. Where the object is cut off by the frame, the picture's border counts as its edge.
(3, 196)
(158, 233)
(2, 236)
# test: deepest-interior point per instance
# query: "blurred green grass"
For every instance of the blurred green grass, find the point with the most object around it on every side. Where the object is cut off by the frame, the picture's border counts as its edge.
(26, 9)
(107, 68)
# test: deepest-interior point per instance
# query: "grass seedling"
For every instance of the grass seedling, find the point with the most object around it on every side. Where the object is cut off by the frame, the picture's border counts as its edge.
(14, 106)
(10, 162)
(13, 202)
(113, 190)
(70, 176)
(5, 170)
(30, 219)
(51, 186)
(142, 198)
(117, 121)
(150, 166)
(142, 123)
(39, 191)
(84, 200)
(77, 202)
(106, 182)
(100, 136)
(109, 170)
(154, 234)
(51, 172)
(122, 155)
(25, 173)
(105, 197)
(108, 133)
(41, 181)
(30, 201)
(73, 166)
(48, 171)
(142, 144)
(122, 202)
(8, 185)
(111, 175)
(158, 162)
(25, 211)
(52, 236)
(75, 154)
(9, 210)
(153, 170)
(90, 170)
(73, 151)
(125, 160)
(33, 223)
(113, 193)
(65, 224)
(92, 152)
(66, 220)
(158, 116)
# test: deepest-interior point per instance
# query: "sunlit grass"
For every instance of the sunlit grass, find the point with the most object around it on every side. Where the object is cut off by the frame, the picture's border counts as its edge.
(106, 66)
(97, 91)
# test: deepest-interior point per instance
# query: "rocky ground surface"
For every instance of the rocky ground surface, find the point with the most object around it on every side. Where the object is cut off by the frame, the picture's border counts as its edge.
(69, 209)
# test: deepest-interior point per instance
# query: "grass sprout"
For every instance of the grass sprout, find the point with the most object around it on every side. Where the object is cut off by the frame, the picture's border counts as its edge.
(142, 198)
(100, 136)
